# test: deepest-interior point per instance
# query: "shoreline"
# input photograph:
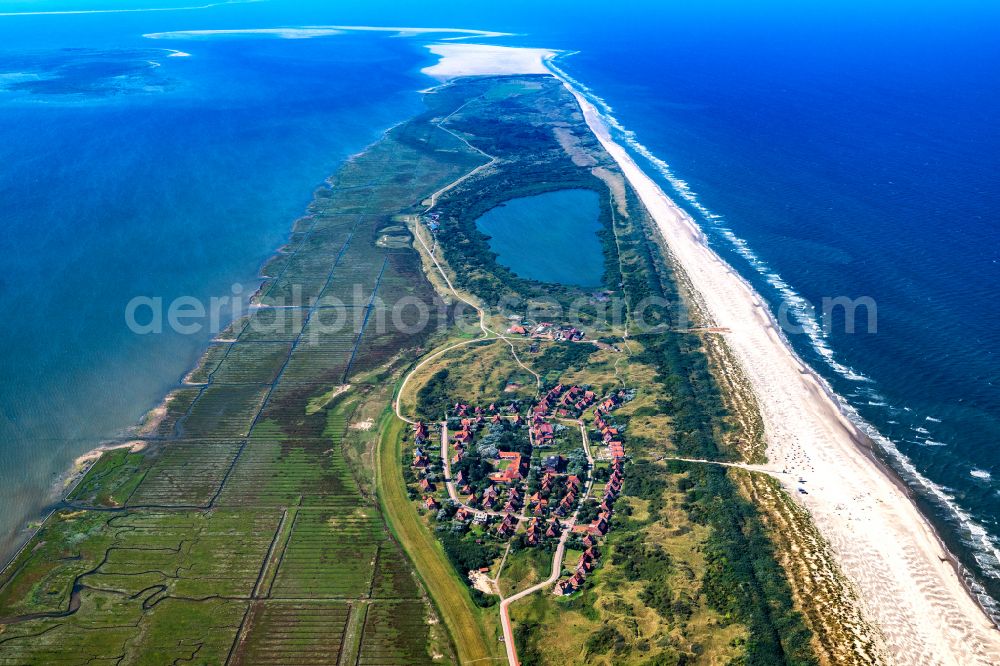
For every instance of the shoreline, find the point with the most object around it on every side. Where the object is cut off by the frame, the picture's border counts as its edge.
(143, 429)
(62, 488)
(701, 265)
(924, 610)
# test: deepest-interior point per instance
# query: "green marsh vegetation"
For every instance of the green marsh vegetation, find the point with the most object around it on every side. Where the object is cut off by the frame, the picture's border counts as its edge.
(691, 573)
(244, 513)
(256, 450)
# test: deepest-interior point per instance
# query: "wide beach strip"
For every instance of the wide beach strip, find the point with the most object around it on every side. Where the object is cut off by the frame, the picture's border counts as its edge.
(883, 544)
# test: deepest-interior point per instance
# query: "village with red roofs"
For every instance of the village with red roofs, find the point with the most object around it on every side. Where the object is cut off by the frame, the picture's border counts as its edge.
(525, 475)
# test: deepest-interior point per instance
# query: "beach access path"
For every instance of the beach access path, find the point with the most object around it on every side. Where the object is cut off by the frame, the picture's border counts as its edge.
(886, 548)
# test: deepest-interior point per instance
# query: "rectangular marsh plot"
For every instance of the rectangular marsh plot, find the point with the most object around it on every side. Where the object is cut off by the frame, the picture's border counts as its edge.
(330, 554)
(195, 554)
(293, 289)
(353, 282)
(93, 635)
(183, 631)
(394, 287)
(395, 634)
(331, 225)
(357, 174)
(185, 473)
(315, 256)
(290, 633)
(321, 356)
(252, 363)
(223, 411)
(345, 201)
(274, 324)
(393, 575)
(286, 473)
(112, 479)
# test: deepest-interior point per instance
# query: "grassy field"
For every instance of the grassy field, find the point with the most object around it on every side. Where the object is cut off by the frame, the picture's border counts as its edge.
(471, 629)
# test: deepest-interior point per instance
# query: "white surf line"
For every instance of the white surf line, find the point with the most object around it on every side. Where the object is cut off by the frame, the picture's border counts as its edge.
(984, 549)
(884, 544)
(133, 10)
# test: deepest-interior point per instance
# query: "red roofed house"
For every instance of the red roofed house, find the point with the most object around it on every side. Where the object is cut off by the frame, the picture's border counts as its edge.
(513, 471)
(599, 526)
(507, 525)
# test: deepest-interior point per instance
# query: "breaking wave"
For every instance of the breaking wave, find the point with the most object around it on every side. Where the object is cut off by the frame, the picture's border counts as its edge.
(984, 549)
(802, 310)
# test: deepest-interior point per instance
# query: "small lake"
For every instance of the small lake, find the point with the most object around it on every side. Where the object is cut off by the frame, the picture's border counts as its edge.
(549, 237)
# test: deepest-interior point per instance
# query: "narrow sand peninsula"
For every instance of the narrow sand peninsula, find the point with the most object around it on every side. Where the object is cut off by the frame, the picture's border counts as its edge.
(884, 545)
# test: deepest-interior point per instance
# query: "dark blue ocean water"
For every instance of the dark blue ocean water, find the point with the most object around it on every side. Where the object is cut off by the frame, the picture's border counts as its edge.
(830, 150)
(854, 161)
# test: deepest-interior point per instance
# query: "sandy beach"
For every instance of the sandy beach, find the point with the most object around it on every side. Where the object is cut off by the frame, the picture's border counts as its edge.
(884, 545)
(479, 60)
(886, 548)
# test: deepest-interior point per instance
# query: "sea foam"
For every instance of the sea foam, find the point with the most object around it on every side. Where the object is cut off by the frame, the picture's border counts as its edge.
(984, 549)
(803, 312)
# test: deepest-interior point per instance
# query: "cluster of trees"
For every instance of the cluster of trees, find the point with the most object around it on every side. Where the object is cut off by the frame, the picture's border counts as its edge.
(604, 640)
(744, 581)
(577, 464)
(589, 511)
(557, 359)
(645, 481)
(467, 554)
(435, 397)
(505, 436)
(475, 468)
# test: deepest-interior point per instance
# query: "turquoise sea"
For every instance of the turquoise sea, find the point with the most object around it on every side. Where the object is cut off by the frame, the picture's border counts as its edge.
(126, 171)
(829, 150)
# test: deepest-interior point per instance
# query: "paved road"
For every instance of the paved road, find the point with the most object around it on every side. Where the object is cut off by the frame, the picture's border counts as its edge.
(450, 485)
(557, 559)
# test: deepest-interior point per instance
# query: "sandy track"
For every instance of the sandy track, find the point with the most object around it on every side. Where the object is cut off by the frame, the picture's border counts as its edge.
(884, 545)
